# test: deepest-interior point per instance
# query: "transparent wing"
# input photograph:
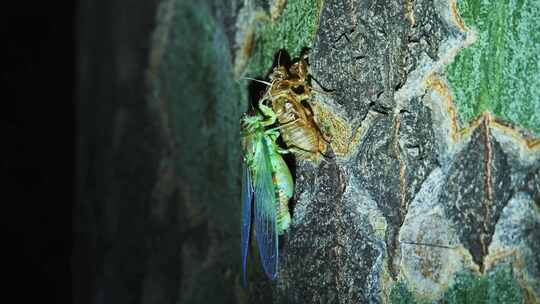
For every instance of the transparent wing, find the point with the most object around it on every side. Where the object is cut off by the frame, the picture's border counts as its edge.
(247, 200)
(265, 211)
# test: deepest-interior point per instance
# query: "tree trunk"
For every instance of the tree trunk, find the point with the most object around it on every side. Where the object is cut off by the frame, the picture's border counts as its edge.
(415, 202)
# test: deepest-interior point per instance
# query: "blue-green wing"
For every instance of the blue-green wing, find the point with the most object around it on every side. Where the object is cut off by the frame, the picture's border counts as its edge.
(265, 211)
(247, 200)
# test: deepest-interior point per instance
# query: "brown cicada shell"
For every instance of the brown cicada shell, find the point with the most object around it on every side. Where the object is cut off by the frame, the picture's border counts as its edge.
(288, 94)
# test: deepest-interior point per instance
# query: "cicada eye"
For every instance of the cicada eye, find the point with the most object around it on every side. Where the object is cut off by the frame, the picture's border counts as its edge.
(299, 89)
(294, 69)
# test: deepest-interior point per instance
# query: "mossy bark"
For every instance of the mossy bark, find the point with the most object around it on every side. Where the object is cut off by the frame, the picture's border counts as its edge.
(411, 205)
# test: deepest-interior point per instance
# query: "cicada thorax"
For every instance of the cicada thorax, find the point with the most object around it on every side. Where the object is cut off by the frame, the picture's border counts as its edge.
(251, 132)
(291, 82)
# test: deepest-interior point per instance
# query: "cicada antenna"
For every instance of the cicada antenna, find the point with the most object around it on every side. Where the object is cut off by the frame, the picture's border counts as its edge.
(258, 80)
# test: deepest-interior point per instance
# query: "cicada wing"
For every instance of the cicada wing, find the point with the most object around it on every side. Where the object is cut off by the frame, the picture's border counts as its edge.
(266, 212)
(247, 200)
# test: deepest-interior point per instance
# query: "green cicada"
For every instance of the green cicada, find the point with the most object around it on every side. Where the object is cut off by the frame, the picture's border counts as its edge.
(267, 187)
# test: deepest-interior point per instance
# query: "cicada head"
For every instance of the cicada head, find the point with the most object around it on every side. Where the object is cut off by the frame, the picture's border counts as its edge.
(250, 123)
(299, 69)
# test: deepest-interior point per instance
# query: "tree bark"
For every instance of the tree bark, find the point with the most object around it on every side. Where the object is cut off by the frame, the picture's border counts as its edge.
(411, 205)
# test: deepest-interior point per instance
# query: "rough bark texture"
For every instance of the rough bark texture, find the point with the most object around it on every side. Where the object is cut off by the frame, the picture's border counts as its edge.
(409, 206)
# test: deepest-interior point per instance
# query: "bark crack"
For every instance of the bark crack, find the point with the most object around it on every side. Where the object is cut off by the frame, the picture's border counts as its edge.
(488, 155)
(402, 171)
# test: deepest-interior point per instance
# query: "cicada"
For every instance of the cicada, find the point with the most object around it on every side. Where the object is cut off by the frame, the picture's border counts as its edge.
(289, 93)
(267, 186)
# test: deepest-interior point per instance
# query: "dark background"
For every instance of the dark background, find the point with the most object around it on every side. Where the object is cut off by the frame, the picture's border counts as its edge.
(38, 149)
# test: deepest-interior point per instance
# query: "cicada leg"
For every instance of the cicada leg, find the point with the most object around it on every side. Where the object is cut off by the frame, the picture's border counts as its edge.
(306, 154)
(283, 151)
(274, 132)
(268, 112)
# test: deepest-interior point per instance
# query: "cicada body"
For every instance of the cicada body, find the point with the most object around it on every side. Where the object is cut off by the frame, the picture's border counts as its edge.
(288, 94)
(267, 187)
(298, 129)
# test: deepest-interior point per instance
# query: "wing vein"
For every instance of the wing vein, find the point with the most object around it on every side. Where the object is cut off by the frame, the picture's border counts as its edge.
(265, 215)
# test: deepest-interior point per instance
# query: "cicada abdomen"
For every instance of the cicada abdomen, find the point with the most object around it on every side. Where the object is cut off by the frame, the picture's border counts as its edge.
(283, 184)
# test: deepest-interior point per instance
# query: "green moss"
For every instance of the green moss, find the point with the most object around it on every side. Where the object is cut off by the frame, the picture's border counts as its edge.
(497, 287)
(503, 288)
(400, 294)
(468, 288)
(293, 31)
(500, 71)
